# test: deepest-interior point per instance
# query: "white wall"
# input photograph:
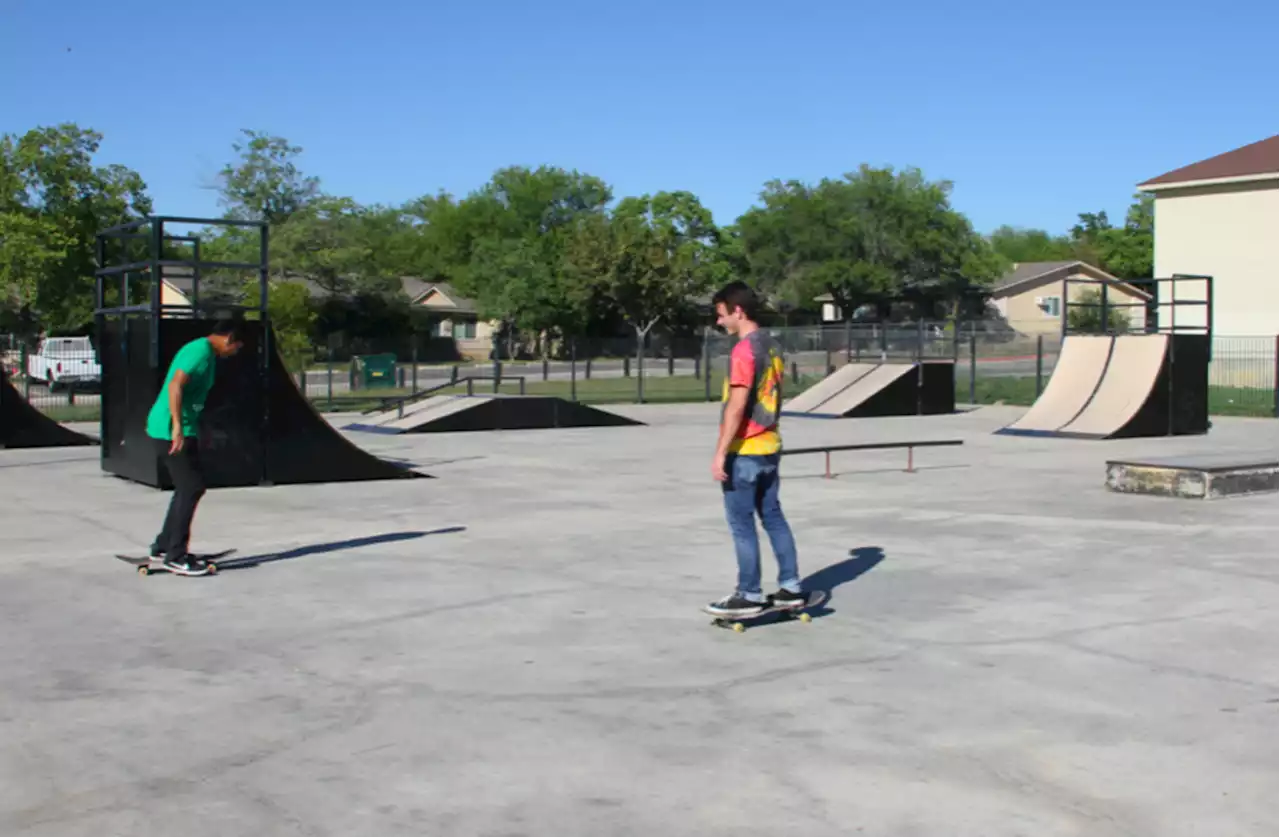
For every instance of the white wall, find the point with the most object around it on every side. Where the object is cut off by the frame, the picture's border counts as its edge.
(1232, 233)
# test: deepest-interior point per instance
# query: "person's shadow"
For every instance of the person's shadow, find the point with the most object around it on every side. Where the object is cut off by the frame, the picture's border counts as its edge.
(861, 559)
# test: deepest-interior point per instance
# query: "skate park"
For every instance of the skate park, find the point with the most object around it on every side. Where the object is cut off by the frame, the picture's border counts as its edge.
(1013, 631)
(1006, 640)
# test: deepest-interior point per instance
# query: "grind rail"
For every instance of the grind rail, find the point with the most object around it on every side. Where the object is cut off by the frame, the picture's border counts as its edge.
(910, 446)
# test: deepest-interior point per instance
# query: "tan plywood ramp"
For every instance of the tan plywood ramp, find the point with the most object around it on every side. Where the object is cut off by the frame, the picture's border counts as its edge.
(866, 386)
(415, 413)
(1135, 364)
(829, 387)
(1081, 366)
(431, 409)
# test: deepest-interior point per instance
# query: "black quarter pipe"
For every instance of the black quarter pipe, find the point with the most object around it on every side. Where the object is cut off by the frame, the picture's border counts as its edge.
(255, 430)
(23, 426)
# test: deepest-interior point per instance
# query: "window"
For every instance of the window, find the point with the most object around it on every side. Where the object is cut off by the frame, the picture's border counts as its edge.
(1050, 305)
(464, 330)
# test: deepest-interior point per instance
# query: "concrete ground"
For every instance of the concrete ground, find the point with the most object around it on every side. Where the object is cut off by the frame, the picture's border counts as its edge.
(516, 647)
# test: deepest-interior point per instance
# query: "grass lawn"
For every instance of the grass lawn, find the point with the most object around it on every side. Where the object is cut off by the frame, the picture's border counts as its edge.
(1019, 391)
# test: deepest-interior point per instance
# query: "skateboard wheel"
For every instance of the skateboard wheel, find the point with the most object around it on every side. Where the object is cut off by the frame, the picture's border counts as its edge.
(804, 617)
(144, 571)
(738, 627)
(213, 569)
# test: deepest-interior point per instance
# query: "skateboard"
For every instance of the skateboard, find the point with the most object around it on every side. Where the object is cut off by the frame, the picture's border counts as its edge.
(788, 612)
(148, 565)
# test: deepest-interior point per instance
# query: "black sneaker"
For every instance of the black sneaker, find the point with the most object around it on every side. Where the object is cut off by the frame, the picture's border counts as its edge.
(186, 565)
(736, 605)
(785, 598)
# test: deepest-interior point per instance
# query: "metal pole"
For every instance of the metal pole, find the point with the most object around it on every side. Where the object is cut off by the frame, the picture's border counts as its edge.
(973, 368)
(848, 339)
(640, 367)
(910, 461)
(706, 361)
(1275, 379)
(157, 241)
(573, 369)
(1039, 361)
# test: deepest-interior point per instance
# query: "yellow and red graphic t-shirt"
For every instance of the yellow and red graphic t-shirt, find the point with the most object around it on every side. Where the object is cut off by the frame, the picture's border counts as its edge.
(756, 363)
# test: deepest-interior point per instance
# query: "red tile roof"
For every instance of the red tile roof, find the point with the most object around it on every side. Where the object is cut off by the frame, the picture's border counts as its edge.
(1262, 157)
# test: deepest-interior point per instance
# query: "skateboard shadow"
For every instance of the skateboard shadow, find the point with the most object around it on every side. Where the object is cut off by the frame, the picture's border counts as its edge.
(861, 560)
(331, 546)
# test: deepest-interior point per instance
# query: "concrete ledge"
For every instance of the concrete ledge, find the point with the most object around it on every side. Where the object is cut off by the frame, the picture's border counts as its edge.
(1202, 477)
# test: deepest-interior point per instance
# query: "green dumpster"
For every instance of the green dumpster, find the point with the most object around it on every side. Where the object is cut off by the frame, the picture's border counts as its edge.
(369, 371)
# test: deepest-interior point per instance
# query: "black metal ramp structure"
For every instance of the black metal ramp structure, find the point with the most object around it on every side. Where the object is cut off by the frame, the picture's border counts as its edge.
(255, 429)
(464, 413)
(865, 390)
(23, 426)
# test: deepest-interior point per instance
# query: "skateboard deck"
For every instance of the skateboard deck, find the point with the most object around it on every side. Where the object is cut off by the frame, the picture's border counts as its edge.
(147, 565)
(786, 612)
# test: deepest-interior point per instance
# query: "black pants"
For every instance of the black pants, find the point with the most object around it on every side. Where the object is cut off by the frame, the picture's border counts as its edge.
(188, 488)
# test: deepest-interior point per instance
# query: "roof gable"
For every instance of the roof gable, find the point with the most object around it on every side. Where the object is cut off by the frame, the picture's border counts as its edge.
(1258, 158)
(1027, 275)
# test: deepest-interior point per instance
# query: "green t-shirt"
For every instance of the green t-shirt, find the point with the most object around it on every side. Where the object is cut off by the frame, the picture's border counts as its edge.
(197, 360)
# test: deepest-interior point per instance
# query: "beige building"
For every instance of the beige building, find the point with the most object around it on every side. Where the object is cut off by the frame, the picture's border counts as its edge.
(459, 320)
(1032, 296)
(1221, 217)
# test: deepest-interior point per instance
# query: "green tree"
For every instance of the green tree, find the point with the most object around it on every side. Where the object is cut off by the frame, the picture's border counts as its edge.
(328, 242)
(264, 183)
(871, 237)
(647, 261)
(292, 318)
(1085, 314)
(54, 200)
(1016, 244)
(513, 233)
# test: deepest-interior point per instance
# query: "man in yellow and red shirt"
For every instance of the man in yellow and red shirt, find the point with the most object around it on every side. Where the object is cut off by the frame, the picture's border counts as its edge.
(748, 453)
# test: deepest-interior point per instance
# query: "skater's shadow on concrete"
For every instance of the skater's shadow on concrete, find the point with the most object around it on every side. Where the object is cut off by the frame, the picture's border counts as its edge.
(331, 546)
(861, 560)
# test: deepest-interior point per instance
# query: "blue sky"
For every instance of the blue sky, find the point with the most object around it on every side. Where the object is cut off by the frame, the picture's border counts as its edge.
(1041, 112)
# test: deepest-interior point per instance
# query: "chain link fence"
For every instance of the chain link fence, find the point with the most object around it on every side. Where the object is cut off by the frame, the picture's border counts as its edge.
(995, 363)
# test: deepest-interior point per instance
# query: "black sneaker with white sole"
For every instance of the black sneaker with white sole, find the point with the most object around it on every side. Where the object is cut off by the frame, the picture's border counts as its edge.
(186, 565)
(785, 598)
(736, 605)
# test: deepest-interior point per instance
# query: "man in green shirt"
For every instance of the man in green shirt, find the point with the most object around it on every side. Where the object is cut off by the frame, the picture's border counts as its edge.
(174, 423)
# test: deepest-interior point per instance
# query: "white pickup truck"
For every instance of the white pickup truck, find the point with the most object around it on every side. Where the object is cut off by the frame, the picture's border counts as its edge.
(64, 361)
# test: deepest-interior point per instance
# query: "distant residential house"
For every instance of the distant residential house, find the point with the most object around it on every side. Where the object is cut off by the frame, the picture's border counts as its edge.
(1032, 295)
(1221, 217)
(458, 317)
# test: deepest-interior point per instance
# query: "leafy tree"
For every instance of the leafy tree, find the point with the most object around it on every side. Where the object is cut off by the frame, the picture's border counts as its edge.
(328, 242)
(53, 202)
(31, 248)
(512, 234)
(1085, 314)
(650, 259)
(265, 184)
(871, 237)
(292, 318)
(1025, 245)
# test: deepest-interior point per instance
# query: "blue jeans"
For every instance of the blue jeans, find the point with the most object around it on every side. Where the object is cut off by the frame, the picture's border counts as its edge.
(752, 488)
